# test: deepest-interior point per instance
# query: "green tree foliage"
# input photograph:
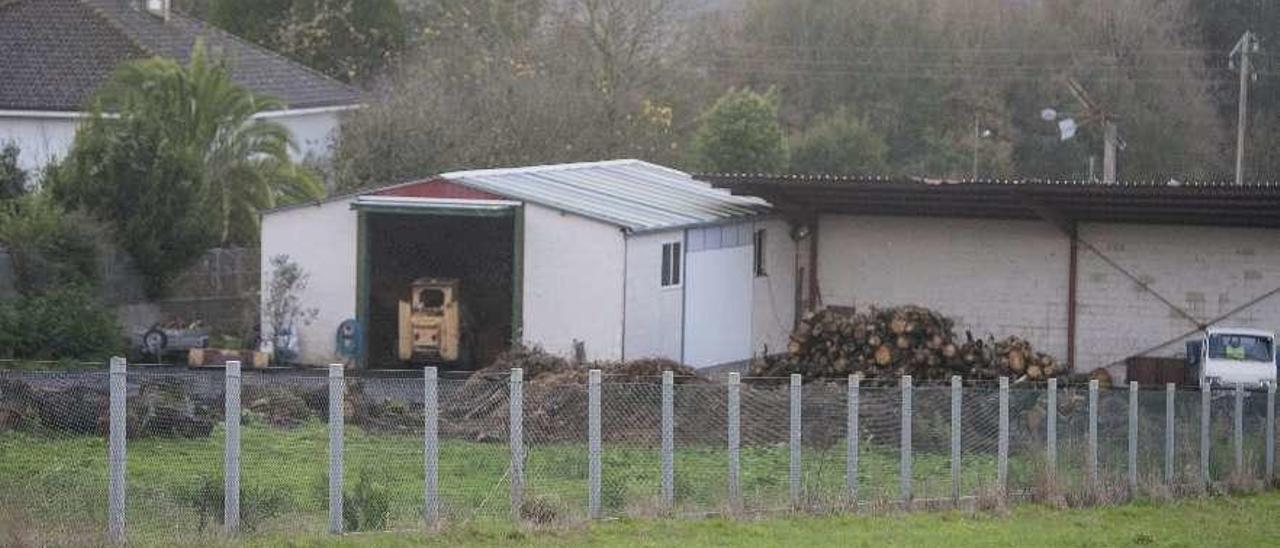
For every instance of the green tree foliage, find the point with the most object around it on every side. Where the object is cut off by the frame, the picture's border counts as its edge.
(50, 248)
(351, 40)
(741, 133)
(180, 164)
(13, 179)
(840, 143)
(70, 322)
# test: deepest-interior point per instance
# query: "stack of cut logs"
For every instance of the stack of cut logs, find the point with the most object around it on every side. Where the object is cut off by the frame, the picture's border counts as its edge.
(906, 340)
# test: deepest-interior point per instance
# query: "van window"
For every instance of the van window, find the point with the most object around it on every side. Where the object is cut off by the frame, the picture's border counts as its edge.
(1240, 347)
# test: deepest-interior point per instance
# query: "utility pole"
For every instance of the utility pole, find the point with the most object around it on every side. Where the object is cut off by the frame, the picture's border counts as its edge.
(977, 139)
(1110, 139)
(1248, 44)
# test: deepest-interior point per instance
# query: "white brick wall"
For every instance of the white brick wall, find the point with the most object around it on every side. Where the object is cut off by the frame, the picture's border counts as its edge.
(1206, 270)
(994, 277)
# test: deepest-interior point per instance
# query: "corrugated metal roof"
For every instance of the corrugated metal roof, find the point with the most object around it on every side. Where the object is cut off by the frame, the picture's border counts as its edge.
(633, 194)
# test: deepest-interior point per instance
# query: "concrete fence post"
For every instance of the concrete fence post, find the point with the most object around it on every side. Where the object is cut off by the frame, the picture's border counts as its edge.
(1237, 440)
(593, 443)
(116, 459)
(734, 440)
(1170, 395)
(794, 441)
(1271, 434)
(1051, 431)
(956, 396)
(851, 456)
(1092, 454)
(668, 441)
(337, 408)
(231, 447)
(430, 446)
(1133, 438)
(1002, 445)
(904, 464)
(515, 433)
(1206, 415)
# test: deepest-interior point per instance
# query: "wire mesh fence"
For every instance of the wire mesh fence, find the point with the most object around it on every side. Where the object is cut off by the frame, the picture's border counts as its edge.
(268, 453)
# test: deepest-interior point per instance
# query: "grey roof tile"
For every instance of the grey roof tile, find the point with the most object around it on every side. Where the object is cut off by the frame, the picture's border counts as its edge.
(55, 53)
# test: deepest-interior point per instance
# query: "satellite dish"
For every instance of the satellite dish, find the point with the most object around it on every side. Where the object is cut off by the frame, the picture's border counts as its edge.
(1048, 115)
(1067, 128)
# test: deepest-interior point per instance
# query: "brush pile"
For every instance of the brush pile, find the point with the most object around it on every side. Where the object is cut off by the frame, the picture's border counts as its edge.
(907, 340)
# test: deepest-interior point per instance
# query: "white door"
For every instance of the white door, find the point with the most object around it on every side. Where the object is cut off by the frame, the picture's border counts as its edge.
(718, 290)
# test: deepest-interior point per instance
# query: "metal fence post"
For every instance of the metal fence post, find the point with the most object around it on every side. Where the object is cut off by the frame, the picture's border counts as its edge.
(515, 431)
(1051, 431)
(337, 407)
(904, 465)
(851, 457)
(430, 446)
(1237, 441)
(734, 493)
(668, 441)
(1092, 455)
(1206, 412)
(231, 446)
(1002, 459)
(593, 443)
(794, 441)
(1133, 438)
(1271, 433)
(955, 439)
(119, 383)
(1170, 394)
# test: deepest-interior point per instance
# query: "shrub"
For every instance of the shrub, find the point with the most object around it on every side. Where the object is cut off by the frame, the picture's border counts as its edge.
(65, 323)
(367, 507)
(256, 504)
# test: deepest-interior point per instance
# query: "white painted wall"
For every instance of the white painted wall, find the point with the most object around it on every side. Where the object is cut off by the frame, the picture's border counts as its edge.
(322, 239)
(993, 277)
(573, 276)
(719, 285)
(1206, 270)
(41, 139)
(654, 314)
(773, 295)
(313, 132)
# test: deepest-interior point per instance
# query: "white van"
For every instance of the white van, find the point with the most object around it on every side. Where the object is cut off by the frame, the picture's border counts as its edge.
(1230, 356)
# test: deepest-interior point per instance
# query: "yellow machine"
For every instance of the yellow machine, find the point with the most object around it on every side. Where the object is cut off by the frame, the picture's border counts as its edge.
(430, 323)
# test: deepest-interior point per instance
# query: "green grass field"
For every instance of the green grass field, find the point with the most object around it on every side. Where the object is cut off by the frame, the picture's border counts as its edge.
(1223, 521)
(55, 484)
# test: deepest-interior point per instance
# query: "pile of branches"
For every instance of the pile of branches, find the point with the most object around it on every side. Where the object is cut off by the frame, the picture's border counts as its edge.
(555, 398)
(907, 340)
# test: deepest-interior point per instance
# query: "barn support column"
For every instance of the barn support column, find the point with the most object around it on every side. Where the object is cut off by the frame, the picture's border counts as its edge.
(1073, 265)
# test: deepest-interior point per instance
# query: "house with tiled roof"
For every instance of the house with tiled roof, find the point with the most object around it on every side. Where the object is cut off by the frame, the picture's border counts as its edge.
(55, 53)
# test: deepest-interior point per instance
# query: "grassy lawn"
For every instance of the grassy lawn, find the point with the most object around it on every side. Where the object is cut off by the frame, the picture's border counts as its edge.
(1222, 521)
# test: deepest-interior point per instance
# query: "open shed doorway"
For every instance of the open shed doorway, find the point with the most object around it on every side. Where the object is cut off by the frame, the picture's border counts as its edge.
(478, 251)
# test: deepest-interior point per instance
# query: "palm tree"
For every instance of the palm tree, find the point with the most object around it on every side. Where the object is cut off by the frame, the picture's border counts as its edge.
(204, 117)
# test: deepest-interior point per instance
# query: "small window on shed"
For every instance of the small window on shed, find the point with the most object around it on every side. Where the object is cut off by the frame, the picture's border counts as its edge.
(759, 252)
(671, 264)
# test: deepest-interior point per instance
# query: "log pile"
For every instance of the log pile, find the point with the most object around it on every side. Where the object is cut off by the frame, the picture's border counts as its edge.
(887, 343)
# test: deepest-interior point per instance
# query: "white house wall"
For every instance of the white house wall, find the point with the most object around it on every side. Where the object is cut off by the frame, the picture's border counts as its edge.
(41, 139)
(994, 277)
(1208, 271)
(773, 295)
(654, 314)
(719, 289)
(313, 131)
(322, 240)
(573, 276)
